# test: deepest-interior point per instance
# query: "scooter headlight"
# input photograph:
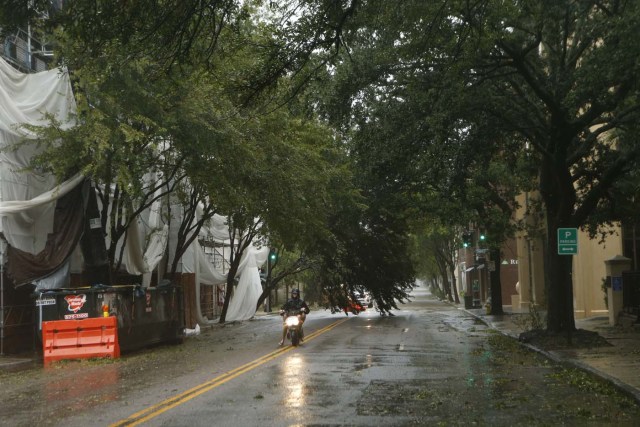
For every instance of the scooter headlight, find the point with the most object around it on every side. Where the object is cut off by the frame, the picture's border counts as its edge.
(292, 321)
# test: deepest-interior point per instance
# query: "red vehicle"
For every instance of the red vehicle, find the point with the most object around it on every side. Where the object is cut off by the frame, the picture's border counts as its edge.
(354, 307)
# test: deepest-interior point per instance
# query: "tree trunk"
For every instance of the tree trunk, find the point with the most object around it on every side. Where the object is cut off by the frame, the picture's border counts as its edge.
(236, 257)
(560, 317)
(261, 299)
(558, 193)
(93, 246)
(454, 285)
(269, 286)
(446, 287)
(231, 275)
(496, 284)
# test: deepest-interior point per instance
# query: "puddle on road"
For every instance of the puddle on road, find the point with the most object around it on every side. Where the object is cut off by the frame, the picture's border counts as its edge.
(368, 363)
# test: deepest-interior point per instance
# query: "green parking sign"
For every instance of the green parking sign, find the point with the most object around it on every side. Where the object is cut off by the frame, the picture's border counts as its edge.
(567, 241)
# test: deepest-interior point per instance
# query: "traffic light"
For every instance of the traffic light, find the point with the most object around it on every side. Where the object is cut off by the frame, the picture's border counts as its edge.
(483, 236)
(273, 256)
(467, 239)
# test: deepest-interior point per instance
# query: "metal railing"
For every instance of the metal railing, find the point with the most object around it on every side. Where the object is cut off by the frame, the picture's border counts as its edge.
(25, 52)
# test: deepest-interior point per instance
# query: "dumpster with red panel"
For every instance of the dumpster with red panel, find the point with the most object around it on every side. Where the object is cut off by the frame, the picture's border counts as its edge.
(76, 339)
(101, 321)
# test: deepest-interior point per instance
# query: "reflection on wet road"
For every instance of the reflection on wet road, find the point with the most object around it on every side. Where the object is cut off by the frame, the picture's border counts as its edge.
(294, 382)
(83, 389)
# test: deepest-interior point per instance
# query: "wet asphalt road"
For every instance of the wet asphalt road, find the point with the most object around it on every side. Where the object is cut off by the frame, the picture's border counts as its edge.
(429, 364)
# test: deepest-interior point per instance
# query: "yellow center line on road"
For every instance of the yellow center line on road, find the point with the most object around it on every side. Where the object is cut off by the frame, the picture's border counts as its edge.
(157, 409)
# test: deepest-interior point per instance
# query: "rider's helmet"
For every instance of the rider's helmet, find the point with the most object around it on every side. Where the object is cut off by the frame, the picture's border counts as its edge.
(295, 293)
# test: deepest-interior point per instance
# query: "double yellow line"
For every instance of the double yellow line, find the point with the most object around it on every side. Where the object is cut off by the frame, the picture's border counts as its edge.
(157, 409)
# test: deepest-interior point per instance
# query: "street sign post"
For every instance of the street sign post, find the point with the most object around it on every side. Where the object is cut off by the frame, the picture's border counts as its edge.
(567, 241)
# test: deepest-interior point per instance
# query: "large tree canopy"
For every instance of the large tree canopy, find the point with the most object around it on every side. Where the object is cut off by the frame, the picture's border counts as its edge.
(430, 88)
(444, 106)
(563, 76)
(203, 94)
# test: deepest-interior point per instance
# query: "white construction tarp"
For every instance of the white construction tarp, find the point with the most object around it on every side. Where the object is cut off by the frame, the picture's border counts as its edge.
(146, 245)
(244, 299)
(147, 239)
(245, 296)
(26, 197)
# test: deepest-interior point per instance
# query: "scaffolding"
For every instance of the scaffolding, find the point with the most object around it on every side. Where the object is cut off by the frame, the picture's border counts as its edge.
(25, 52)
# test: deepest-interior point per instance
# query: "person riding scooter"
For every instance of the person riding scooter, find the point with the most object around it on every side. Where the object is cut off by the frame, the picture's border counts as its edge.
(295, 303)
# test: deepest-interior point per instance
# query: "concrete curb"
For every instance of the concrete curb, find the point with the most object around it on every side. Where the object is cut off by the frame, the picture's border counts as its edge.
(626, 389)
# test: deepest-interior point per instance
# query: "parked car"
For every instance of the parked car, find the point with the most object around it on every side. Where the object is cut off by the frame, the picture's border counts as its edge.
(365, 299)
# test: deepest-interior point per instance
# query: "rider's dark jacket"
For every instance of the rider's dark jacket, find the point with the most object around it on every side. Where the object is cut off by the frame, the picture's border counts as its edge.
(295, 304)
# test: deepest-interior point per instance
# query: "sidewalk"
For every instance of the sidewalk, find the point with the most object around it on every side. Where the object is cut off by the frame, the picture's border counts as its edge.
(11, 363)
(618, 363)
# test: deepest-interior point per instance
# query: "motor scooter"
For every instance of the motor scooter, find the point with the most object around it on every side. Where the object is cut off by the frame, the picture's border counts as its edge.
(293, 322)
